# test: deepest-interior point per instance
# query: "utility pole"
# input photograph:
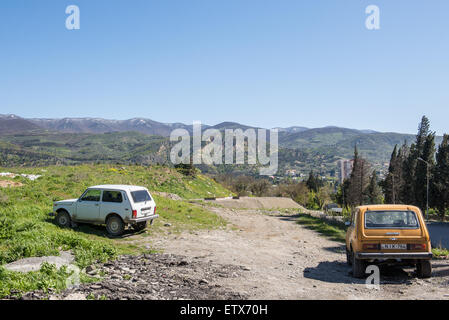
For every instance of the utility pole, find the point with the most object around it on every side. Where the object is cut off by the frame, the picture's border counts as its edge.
(427, 173)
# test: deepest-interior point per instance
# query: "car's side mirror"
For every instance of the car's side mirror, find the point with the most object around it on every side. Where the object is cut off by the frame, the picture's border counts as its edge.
(347, 223)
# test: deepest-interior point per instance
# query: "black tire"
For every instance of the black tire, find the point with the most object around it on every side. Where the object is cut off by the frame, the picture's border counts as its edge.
(424, 269)
(140, 226)
(348, 257)
(63, 219)
(358, 267)
(115, 226)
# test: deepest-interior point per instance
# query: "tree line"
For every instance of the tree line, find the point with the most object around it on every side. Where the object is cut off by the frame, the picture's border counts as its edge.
(418, 174)
(411, 166)
(417, 169)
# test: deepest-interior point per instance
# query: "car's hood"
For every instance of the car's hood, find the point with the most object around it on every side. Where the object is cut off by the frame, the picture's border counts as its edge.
(66, 202)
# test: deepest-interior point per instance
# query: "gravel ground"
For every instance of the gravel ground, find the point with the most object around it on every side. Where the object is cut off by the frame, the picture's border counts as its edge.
(288, 261)
(260, 255)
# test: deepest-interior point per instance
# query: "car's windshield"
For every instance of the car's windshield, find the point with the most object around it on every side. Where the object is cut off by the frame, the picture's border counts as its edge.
(391, 220)
(140, 196)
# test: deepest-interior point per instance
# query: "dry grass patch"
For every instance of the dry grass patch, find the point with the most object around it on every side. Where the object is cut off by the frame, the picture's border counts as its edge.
(10, 184)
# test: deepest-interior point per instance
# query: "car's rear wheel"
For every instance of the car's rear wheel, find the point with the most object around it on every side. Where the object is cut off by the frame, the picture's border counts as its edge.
(115, 226)
(348, 257)
(63, 219)
(358, 267)
(424, 269)
(140, 226)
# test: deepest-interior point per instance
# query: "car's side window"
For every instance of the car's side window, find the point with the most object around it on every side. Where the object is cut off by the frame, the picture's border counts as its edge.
(92, 195)
(112, 196)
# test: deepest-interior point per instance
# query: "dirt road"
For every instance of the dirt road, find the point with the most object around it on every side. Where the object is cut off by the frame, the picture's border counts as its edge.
(283, 260)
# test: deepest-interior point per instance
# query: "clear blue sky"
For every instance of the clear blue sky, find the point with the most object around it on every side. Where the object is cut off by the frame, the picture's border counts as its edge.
(260, 62)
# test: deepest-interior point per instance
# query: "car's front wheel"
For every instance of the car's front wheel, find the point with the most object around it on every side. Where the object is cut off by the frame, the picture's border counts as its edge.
(424, 269)
(115, 226)
(140, 226)
(63, 219)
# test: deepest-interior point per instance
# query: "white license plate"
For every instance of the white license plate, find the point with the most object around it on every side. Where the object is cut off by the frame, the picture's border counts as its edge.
(394, 246)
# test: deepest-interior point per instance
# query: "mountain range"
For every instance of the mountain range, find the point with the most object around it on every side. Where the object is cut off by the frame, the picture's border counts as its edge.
(11, 124)
(315, 147)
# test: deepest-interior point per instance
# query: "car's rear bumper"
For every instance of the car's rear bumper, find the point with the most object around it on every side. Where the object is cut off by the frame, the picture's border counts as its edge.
(142, 219)
(398, 255)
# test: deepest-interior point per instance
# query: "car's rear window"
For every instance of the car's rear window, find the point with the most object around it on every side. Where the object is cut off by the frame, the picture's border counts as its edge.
(391, 220)
(112, 196)
(140, 196)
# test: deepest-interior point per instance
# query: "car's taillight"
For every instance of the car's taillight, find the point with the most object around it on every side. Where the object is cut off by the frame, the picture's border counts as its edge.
(370, 246)
(420, 246)
(154, 210)
(134, 214)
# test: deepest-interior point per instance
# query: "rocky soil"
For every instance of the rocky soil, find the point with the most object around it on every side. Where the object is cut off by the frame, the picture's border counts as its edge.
(152, 277)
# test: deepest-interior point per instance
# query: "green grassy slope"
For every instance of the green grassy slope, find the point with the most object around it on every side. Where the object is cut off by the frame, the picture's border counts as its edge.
(26, 230)
(50, 148)
(317, 149)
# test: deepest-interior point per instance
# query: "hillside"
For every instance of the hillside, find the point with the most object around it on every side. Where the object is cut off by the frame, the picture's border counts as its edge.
(316, 150)
(26, 230)
(142, 141)
(67, 148)
(11, 124)
(98, 125)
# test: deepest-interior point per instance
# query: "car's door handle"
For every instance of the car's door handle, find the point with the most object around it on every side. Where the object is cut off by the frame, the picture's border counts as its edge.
(97, 204)
(126, 209)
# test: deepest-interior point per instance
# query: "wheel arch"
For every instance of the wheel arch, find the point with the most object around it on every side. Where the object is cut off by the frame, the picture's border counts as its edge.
(112, 214)
(63, 210)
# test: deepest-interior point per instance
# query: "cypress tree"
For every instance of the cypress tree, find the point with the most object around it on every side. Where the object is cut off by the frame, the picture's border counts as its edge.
(358, 180)
(440, 181)
(388, 185)
(373, 192)
(407, 194)
(425, 149)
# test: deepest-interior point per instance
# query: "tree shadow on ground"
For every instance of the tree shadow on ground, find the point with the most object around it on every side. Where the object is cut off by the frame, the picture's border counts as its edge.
(340, 272)
(293, 218)
(336, 249)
